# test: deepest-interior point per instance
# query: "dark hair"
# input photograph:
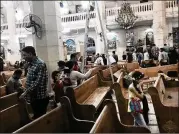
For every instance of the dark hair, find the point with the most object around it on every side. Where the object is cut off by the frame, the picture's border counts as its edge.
(54, 74)
(70, 64)
(165, 44)
(29, 49)
(160, 71)
(61, 63)
(72, 56)
(17, 72)
(137, 75)
(162, 49)
(113, 52)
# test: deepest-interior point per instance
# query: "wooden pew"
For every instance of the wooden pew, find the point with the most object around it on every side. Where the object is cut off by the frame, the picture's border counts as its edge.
(2, 83)
(8, 100)
(153, 71)
(108, 122)
(105, 74)
(59, 120)
(14, 117)
(120, 96)
(88, 97)
(2, 91)
(96, 70)
(166, 109)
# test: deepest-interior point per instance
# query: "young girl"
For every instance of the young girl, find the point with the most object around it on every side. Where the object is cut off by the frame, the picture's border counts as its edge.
(135, 94)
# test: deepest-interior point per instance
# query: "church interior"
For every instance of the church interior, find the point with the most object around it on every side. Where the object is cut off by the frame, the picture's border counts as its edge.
(89, 66)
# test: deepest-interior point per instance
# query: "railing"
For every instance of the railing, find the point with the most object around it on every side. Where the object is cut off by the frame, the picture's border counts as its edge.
(171, 4)
(77, 17)
(137, 8)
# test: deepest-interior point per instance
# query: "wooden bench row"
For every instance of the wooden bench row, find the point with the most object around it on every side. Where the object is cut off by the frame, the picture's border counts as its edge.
(153, 71)
(62, 120)
(165, 102)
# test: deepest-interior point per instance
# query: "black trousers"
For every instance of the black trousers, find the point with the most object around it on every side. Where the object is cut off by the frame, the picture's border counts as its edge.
(39, 107)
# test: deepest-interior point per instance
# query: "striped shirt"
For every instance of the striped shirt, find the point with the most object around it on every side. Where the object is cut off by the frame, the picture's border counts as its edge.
(37, 80)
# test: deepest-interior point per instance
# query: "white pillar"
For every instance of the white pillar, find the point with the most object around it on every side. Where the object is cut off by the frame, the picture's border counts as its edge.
(13, 43)
(100, 44)
(50, 47)
(159, 23)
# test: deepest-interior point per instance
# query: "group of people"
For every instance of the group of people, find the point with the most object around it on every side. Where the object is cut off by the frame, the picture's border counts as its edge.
(68, 74)
(166, 55)
(102, 59)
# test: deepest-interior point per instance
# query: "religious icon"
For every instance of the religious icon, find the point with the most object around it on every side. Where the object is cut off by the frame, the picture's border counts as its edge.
(149, 38)
(71, 47)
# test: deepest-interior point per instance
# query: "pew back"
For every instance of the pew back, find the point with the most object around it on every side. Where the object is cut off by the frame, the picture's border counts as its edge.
(108, 122)
(83, 91)
(153, 71)
(8, 100)
(59, 120)
(13, 117)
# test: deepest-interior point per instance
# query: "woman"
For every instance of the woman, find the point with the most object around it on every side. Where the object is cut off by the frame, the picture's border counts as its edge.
(136, 95)
(75, 75)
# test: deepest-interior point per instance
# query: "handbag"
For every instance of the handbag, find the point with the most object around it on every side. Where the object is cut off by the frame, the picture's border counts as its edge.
(136, 106)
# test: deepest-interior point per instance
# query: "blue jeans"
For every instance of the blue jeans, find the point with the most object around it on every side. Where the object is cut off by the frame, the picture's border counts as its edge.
(139, 120)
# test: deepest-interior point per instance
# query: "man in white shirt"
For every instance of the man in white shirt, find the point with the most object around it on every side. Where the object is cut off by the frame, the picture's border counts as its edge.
(146, 55)
(111, 60)
(99, 61)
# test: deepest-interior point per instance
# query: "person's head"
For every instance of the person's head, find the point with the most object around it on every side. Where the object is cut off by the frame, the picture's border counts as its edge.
(73, 57)
(93, 53)
(127, 50)
(103, 55)
(61, 64)
(165, 44)
(28, 53)
(159, 72)
(113, 52)
(55, 75)
(17, 74)
(161, 49)
(137, 77)
(153, 45)
(70, 65)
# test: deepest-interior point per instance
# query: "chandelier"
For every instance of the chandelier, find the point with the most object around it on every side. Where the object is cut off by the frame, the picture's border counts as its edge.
(126, 17)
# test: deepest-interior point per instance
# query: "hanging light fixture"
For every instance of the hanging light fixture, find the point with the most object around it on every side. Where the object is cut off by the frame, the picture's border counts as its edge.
(126, 17)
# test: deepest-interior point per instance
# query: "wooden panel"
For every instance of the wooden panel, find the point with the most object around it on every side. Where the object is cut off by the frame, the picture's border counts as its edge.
(83, 91)
(97, 96)
(108, 122)
(8, 100)
(153, 71)
(10, 119)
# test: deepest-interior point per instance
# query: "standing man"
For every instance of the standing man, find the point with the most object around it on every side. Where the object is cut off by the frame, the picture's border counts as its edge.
(115, 56)
(36, 83)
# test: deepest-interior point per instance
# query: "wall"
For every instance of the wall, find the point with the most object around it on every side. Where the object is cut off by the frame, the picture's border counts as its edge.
(28, 40)
(79, 38)
(170, 23)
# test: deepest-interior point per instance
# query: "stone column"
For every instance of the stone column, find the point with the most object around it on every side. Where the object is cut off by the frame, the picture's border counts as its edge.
(13, 43)
(159, 23)
(100, 43)
(50, 47)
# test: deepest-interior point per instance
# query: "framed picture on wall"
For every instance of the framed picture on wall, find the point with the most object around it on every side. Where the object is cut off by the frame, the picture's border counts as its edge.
(71, 47)
(111, 44)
